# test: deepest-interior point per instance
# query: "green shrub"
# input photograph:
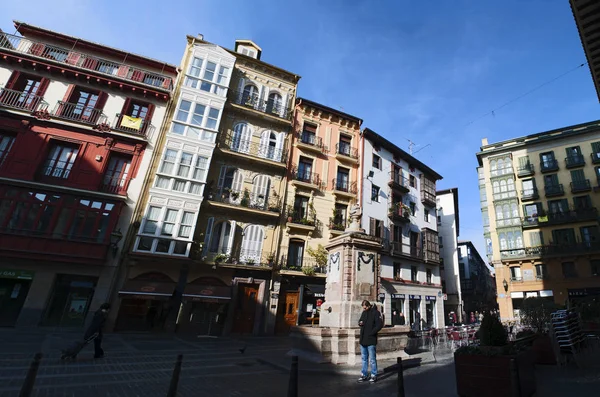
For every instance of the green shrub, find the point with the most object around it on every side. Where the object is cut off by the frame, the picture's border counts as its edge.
(492, 332)
(537, 312)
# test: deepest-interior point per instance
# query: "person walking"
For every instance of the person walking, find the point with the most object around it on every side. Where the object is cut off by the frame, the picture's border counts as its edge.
(96, 327)
(370, 324)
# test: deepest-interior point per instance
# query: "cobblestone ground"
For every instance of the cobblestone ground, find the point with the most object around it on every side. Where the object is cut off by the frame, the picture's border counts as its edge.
(141, 365)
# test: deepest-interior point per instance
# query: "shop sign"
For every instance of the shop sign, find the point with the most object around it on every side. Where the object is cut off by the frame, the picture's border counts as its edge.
(531, 294)
(430, 298)
(398, 296)
(148, 289)
(319, 295)
(17, 274)
(206, 292)
(516, 295)
(546, 293)
(416, 297)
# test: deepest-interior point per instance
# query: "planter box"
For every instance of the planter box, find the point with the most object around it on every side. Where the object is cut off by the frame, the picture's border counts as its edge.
(492, 376)
(544, 351)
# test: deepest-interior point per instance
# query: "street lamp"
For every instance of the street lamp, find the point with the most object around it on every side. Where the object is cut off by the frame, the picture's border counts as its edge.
(115, 238)
(505, 285)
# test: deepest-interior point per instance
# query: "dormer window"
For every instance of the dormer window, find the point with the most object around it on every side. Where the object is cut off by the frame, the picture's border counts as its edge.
(248, 48)
(247, 51)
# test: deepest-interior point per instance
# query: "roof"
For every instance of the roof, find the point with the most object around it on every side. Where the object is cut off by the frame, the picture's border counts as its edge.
(454, 192)
(587, 19)
(24, 28)
(250, 43)
(381, 141)
(328, 109)
(541, 137)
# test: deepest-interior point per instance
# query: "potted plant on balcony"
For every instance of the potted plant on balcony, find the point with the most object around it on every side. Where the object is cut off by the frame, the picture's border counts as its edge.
(405, 210)
(245, 198)
(234, 195)
(537, 314)
(495, 368)
(271, 259)
(220, 258)
(308, 270)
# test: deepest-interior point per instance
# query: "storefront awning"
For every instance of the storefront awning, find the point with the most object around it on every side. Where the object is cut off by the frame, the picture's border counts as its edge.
(317, 290)
(141, 288)
(206, 292)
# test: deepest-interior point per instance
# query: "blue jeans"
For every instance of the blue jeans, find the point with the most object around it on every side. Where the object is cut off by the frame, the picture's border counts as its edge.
(369, 356)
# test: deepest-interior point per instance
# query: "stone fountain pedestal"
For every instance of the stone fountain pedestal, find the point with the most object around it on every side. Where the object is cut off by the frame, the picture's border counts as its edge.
(352, 276)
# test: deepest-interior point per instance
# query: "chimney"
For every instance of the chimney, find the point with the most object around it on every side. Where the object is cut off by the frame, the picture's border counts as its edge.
(200, 36)
(484, 142)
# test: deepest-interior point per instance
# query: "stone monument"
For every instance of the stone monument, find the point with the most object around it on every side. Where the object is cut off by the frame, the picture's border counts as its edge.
(352, 276)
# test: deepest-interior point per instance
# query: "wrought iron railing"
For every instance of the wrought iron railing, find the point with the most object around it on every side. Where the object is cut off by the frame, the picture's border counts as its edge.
(346, 150)
(310, 139)
(337, 224)
(525, 170)
(398, 181)
(144, 128)
(580, 186)
(246, 199)
(549, 165)
(306, 264)
(575, 160)
(114, 184)
(21, 100)
(84, 61)
(254, 149)
(300, 217)
(251, 100)
(554, 190)
(79, 113)
(305, 176)
(342, 185)
(60, 170)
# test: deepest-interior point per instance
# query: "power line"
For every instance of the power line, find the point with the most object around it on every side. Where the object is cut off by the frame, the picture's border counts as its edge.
(493, 112)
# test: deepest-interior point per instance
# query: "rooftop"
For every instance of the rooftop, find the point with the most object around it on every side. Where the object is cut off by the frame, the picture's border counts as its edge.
(338, 113)
(587, 19)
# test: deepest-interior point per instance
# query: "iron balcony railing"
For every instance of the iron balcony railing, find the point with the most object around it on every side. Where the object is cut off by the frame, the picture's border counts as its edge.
(301, 263)
(114, 184)
(526, 170)
(79, 113)
(575, 160)
(301, 217)
(21, 100)
(143, 129)
(549, 165)
(243, 257)
(530, 194)
(556, 218)
(343, 185)
(302, 175)
(554, 190)
(253, 101)
(310, 139)
(81, 60)
(397, 181)
(337, 224)
(346, 150)
(399, 249)
(59, 170)
(254, 149)
(581, 186)
(595, 158)
(515, 279)
(245, 199)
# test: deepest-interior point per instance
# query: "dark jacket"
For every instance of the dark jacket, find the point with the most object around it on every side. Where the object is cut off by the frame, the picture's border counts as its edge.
(97, 324)
(372, 324)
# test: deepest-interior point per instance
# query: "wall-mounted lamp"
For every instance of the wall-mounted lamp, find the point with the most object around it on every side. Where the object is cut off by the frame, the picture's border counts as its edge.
(328, 309)
(371, 174)
(115, 238)
(505, 285)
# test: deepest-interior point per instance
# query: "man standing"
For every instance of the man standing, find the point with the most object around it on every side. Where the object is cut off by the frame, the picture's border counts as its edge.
(370, 324)
(96, 327)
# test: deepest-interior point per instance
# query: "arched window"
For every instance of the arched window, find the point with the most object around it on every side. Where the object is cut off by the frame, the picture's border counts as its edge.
(222, 238)
(250, 95)
(514, 208)
(503, 242)
(260, 191)
(519, 239)
(269, 146)
(493, 166)
(275, 103)
(251, 252)
(496, 187)
(242, 136)
(499, 214)
(510, 185)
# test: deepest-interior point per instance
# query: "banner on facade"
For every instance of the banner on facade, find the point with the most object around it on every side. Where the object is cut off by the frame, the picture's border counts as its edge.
(16, 274)
(133, 123)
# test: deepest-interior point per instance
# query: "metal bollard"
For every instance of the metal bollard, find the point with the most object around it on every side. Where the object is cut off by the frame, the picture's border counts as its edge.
(400, 378)
(29, 381)
(293, 385)
(175, 377)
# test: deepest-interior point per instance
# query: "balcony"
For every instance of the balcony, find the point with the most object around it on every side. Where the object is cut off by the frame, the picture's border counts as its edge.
(595, 158)
(337, 225)
(77, 113)
(346, 153)
(249, 150)
(554, 190)
(529, 194)
(549, 165)
(581, 186)
(115, 185)
(20, 100)
(305, 179)
(344, 188)
(310, 142)
(551, 250)
(243, 258)
(307, 265)
(576, 160)
(276, 110)
(244, 201)
(508, 222)
(557, 218)
(405, 250)
(399, 213)
(514, 279)
(525, 170)
(129, 125)
(398, 182)
(63, 56)
(301, 222)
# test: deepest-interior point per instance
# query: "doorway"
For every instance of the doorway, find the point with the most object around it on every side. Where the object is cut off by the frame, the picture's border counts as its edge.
(12, 297)
(245, 310)
(288, 311)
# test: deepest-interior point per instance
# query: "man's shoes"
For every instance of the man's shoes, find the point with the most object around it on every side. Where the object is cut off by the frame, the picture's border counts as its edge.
(363, 379)
(373, 379)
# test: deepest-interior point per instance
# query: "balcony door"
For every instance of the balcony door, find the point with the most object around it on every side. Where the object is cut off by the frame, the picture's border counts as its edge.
(231, 183)
(305, 169)
(274, 103)
(242, 136)
(82, 105)
(414, 243)
(250, 95)
(300, 208)
(590, 235)
(269, 146)
(547, 159)
(528, 187)
(25, 91)
(221, 237)
(260, 192)
(252, 241)
(117, 173)
(343, 179)
(295, 254)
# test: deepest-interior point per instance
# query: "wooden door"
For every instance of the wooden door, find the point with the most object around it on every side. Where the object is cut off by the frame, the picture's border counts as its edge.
(246, 309)
(288, 311)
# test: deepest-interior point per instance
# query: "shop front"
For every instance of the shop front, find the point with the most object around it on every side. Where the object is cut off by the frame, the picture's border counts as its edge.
(414, 308)
(430, 311)
(146, 302)
(14, 286)
(70, 300)
(204, 308)
(300, 301)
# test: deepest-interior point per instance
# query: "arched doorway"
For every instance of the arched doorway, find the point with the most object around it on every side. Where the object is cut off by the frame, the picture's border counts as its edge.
(205, 305)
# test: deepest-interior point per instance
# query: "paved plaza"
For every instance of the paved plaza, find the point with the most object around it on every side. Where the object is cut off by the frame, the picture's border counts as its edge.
(142, 364)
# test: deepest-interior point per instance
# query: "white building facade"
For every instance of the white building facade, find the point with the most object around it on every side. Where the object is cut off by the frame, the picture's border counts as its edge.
(399, 206)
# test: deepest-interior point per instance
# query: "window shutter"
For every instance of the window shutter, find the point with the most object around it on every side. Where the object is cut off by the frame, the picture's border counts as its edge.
(382, 229)
(148, 118)
(69, 93)
(126, 107)
(37, 49)
(231, 236)
(222, 173)
(208, 234)
(102, 97)
(73, 58)
(12, 80)
(238, 181)
(263, 149)
(577, 176)
(43, 87)
(372, 226)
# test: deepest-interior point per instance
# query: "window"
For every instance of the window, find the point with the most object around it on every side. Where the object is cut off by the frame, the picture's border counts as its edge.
(301, 208)
(344, 146)
(309, 134)
(295, 254)
(305, 170)
(200, 168)
(515, 274)
(579, 182)
(563, 236)
(589, 235)
(574, 156)
(23, 91)
(169, 220)
(83, 105)
(431, 243)
(222, 238)
(525, 166)
(6, 142)
(548, 162)
(116, 176)
(540, 272)
(375, 193)
(205, 83)
(60, 160)
(191, 118)
(185, 163)
(568, 269)
(152, 218)
(376, 228)
(137, 110)
(339, 217)
(440, 241)
(274, 103)
(166, 225)
(376, 161)
(439, 220)
(557, 207)
(250, 95)
(426, 215)
(168, 163)
(413, 274)
(413, 208)
(529, 188)
(582, 202)
(188, 166)
(428, 276)
(536, 239)
(595, 267)
(397, 271)
(412, 181)
(213, 118)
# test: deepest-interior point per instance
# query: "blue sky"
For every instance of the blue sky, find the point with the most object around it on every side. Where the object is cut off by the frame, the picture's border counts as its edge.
(410, 70)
